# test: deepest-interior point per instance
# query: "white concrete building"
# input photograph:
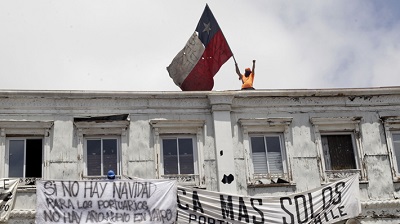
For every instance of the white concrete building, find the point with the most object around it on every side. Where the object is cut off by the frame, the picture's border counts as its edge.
(263, 142)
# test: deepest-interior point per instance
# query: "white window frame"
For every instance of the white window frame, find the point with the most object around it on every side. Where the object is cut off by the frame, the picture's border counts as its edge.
(265, 127)
(101, 138)
(338, 125)
(195, 151)
(174, 128)
(25, 129)
(283, 155)
(392, 125)
(7, 167)
(90, 129)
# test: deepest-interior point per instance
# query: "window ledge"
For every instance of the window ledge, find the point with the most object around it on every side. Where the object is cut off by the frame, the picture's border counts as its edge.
(331, 181)
(88, 178)
(26, 189)
(184, 179)
(291, 184)
(396, 181)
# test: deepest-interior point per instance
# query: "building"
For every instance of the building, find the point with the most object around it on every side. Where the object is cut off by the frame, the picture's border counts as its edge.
(264, 142)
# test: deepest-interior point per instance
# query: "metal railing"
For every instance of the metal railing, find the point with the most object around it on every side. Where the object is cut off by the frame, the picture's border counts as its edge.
(339, 174)
(184, 179)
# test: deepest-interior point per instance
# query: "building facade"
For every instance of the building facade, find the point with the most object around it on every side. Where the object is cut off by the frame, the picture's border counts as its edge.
(253, 143)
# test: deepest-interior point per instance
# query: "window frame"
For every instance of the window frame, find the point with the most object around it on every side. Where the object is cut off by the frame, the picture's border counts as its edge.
(7, 165)
(173, 128)
(177, 137)
(266, 126)
(396, 164)
(101, 138)
(269, 175)
(337, 125)
(25, 129)
(353, 144)
(391, 124)
(103, 128)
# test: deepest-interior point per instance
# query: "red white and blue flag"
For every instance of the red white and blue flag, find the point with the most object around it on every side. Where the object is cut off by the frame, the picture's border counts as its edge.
(194, 67)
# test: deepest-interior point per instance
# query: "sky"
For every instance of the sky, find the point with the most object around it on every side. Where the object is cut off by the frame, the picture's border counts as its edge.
(126, 45)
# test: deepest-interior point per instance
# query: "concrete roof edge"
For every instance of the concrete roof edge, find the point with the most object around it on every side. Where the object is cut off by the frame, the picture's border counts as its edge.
(394, 90)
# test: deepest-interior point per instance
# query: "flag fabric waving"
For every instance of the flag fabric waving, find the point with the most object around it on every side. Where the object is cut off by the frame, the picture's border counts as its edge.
(194, 67)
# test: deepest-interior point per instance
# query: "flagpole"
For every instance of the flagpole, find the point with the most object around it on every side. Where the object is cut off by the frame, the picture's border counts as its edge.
(233, 56)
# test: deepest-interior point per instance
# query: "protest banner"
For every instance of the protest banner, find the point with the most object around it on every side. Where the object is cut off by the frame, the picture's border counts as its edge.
(329, 203)
(105, 201)
(8, 189)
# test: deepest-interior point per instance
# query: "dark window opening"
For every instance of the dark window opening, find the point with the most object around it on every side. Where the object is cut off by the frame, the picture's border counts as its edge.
(338, 152)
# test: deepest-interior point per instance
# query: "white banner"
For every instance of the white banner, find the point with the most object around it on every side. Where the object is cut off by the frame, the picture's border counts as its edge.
(8, 189)
(327, 204)
(108, 201)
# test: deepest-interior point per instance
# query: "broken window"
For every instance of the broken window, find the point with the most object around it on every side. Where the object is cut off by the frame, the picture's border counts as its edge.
(178, 155)
(266, 154)
(25, 157)
(338, 152)
(102, 156)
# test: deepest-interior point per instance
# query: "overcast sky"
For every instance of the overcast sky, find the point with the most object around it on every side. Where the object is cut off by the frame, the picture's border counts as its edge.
(126, 45)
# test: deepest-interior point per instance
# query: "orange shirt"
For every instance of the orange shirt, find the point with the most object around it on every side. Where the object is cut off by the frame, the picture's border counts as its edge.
(247, 81)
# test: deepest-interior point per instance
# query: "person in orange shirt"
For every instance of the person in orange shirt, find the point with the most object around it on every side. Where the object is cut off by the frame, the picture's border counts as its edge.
(248, 76)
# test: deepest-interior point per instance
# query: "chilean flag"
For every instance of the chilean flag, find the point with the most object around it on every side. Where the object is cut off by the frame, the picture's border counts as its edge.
(194, 67)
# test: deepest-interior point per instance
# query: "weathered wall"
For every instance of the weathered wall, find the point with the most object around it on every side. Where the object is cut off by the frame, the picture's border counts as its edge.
(139, 160)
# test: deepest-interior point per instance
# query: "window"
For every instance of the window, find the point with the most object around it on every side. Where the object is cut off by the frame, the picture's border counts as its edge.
(339, 146)
(265, 145)
(25, 157)
(179, 146)
(396, 152)
(24, 150)
(102, 142)
(178, 156)
(338, 151)
(392, 131)
(101, 156)
(266, 153)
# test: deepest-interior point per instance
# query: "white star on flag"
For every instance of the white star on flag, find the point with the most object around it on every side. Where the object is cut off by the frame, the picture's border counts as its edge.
(207, 28)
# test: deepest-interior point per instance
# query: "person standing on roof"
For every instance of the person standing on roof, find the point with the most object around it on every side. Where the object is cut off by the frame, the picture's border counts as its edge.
(248, 76)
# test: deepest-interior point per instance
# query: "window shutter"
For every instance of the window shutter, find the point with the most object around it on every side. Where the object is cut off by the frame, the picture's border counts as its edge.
(274, 154)
(275, 162)
(260, 163)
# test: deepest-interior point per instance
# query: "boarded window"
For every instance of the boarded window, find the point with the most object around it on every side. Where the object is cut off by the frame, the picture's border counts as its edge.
(267, 154)
(338, 152)
(178, 156)
(25, 157)
(102, 156)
